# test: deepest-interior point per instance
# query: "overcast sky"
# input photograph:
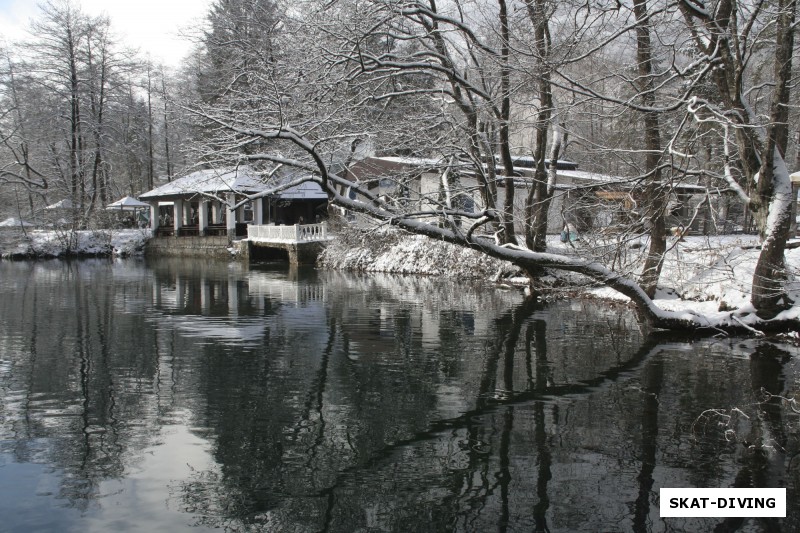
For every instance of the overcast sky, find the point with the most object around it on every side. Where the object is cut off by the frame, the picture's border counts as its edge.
(150, 25)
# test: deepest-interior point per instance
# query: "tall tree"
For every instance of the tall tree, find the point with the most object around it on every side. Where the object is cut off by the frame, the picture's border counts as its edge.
(731, 35)
(62, 33)
(540, 194)
(655, 191)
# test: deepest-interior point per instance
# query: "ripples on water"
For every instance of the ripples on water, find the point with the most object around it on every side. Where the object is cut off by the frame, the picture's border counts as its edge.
(178, 396)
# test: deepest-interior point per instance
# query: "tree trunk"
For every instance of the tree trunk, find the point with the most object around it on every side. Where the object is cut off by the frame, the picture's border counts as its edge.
(774, 186)
(509, 233)
(537, 204)
(655, 197)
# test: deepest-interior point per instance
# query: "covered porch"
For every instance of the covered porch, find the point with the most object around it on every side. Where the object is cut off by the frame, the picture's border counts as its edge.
(206, 204)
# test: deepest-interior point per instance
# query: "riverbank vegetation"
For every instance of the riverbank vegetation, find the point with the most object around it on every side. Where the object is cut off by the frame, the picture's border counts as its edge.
(43, 244)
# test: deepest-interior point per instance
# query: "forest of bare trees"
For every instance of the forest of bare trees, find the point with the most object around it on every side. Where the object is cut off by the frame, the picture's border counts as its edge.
(659, 93)
(84, 117)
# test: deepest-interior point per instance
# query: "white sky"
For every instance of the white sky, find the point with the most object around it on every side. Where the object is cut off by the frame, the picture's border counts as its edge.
(149, 25)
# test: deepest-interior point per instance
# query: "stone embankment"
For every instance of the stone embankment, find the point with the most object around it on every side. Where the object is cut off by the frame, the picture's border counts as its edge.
(216, 247)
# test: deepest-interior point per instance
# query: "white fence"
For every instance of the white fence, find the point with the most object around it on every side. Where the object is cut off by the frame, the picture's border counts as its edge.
(296, 233)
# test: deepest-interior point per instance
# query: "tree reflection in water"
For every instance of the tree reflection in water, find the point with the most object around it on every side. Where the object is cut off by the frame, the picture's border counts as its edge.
(332, 402)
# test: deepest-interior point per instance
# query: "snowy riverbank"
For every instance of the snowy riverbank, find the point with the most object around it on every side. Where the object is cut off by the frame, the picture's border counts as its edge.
(392, 251)
(48, 243)
(705, 273)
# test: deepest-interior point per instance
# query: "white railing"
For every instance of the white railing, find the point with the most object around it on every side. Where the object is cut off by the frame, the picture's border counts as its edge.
(296, 233)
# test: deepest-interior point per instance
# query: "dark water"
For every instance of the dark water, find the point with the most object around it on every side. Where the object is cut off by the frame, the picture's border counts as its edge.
(172, 396)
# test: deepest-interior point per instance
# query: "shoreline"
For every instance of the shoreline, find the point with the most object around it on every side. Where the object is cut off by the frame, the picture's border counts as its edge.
(701, 275)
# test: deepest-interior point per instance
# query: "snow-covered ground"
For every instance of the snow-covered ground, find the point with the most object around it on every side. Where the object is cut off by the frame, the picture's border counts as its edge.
(706, 274)
(390, 250)
(49, 243)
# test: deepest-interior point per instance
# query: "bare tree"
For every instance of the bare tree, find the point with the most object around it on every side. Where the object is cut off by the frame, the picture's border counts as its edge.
(730, 36)
(655, 195)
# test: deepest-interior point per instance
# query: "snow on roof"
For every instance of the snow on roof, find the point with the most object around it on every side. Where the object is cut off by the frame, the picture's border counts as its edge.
(594, 178)
(412, 161)
(590, 176)
(66, 203)
(211, 181)
(128, 202)
(527, 161)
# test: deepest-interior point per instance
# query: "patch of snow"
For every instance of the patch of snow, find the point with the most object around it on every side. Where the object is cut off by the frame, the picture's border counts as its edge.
(89, 242)
(389, 250)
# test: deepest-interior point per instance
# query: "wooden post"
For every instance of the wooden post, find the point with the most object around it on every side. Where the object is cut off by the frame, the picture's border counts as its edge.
(258, 211)
(154, 216)
(177, 216)
(230, 217)
(202, 219)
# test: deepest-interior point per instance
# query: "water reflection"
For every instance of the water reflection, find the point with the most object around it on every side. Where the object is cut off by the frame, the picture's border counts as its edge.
(177, 395)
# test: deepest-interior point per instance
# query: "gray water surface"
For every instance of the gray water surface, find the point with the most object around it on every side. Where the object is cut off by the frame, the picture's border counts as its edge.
(200, 396)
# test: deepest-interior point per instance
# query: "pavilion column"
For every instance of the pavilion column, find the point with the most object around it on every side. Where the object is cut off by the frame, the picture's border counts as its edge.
(202, 218)
(230, 217)
(258, 211)
(153, 216)
(216, 217)
(177, 212)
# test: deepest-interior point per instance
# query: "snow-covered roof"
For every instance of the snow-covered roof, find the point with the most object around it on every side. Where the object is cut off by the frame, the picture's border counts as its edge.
(527, 161)
(590, 176)
(66, 203)
(243, 180)
(411, 161)
(127, 203)
(211, 181)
